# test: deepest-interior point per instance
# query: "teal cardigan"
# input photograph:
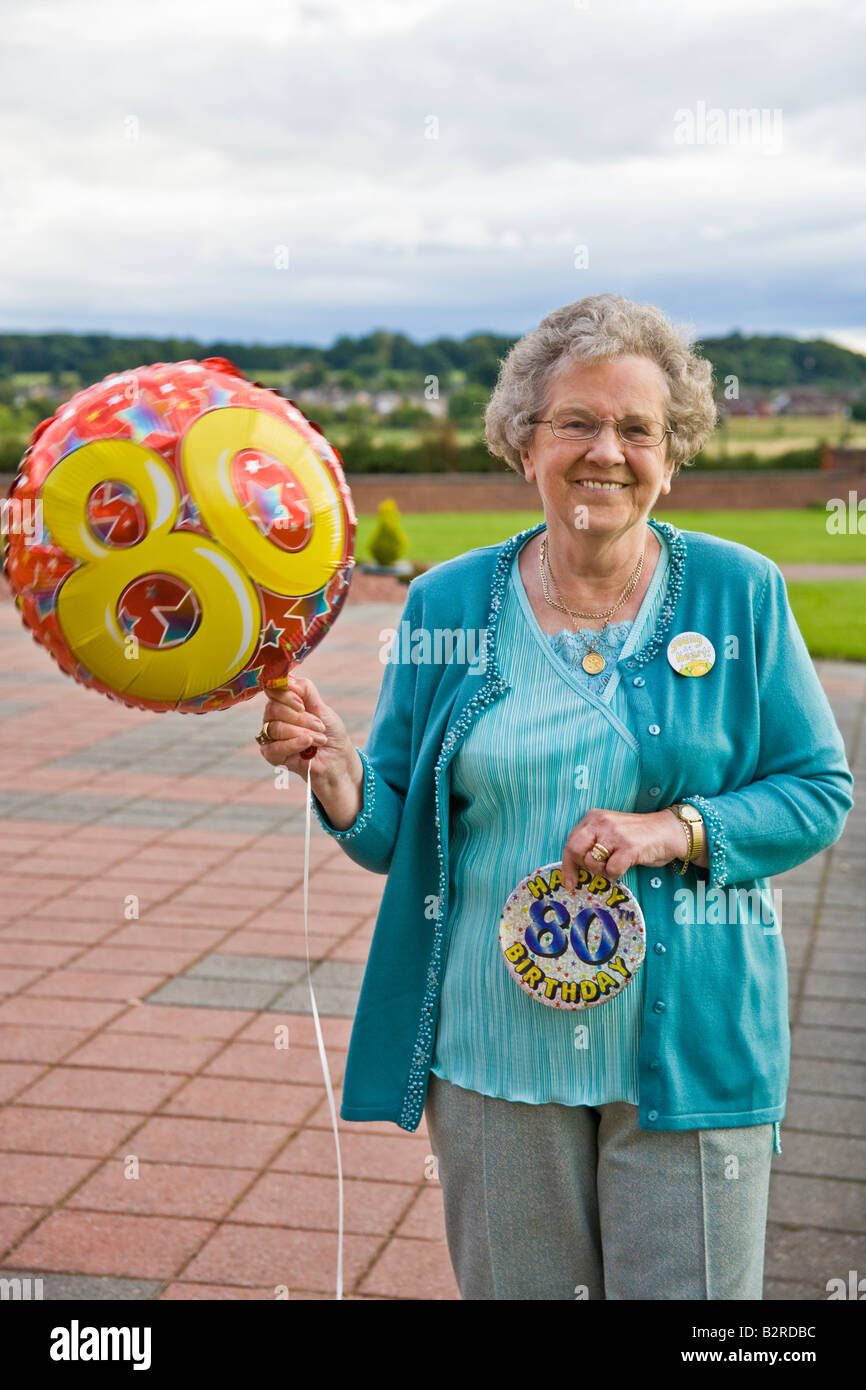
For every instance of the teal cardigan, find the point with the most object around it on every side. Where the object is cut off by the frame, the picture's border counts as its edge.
(752, 744)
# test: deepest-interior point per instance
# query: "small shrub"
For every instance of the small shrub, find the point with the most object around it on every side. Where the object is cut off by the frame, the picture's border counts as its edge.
(389, 541)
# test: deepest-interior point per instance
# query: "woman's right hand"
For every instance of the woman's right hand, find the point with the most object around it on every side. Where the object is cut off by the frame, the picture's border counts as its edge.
(297, 719)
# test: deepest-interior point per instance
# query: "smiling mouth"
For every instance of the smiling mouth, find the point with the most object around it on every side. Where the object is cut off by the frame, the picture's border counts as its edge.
(599, 486)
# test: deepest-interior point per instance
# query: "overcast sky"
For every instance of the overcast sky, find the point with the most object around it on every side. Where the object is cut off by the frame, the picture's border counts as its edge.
(264, 169)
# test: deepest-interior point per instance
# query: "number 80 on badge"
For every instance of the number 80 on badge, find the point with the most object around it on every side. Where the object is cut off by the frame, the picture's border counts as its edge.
(572, 950)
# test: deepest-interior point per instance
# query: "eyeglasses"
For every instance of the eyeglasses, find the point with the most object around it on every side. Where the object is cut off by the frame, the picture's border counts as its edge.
(582, 424)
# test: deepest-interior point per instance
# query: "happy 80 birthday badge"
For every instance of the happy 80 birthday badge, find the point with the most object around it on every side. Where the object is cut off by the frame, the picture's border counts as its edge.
(572, 950)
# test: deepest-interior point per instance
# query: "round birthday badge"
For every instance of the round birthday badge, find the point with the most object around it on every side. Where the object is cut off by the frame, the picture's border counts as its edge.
(572, 950)
(691, 654)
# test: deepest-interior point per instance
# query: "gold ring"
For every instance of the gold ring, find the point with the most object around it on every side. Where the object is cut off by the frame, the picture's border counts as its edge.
(599, 852)
(263, 737)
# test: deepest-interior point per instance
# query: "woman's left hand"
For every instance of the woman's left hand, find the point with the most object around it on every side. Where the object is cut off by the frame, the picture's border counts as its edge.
(652, 838)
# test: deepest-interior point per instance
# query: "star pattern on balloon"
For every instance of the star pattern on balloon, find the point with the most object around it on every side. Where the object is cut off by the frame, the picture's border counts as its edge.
(296, 612)
(72, 442)
(176, 625)
(45, 604)
(143, 420)
(158, 414)
(188, 513)
(270, 504)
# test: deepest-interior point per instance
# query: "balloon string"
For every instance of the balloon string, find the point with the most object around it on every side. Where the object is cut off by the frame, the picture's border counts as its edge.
(322, 1055)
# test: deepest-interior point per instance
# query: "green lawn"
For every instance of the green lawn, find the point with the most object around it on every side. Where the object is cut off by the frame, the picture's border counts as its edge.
(786, 536)
(831, 613)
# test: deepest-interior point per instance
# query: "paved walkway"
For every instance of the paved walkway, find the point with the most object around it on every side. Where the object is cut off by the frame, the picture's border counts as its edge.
(155, 1142)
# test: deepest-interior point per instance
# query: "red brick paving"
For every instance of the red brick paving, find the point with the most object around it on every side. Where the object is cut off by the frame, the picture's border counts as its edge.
(236, 1190)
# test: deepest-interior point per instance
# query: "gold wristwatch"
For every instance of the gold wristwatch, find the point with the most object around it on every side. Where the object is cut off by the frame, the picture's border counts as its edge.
(694, 824)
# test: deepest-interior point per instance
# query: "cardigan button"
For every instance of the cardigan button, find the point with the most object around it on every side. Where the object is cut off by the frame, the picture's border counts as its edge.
(655, 883)
(638, 680)
(659, 1006)
(655, 791)
(659, 949)
(652, 1114)
(655, 1064)
(654, 729)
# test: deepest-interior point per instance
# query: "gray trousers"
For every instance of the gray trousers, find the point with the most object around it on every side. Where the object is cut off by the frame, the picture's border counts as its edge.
(576, 1202)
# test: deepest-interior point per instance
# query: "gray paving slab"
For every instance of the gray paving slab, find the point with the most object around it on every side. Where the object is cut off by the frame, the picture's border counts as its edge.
(214, 994)
(330, 1000)
(40, 677)
(338, 974)
(785, 1291)
(65, 806)
(811, 1256)
(226, 980)
(832, 1204)
(78, 1287)
(821, 1155)
(171, 814)
(222, 965)
(831, 1078)
(831, 1044)
(253, 813)
(830, 1114)
(838, 1013)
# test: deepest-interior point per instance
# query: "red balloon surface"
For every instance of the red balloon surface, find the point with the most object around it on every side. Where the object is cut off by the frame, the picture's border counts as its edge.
(184, 538)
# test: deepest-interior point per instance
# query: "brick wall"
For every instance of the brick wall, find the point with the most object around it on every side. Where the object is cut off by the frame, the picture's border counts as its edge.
(458, 492)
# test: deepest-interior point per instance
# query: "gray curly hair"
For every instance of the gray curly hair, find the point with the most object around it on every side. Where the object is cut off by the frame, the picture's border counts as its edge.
(598, 328)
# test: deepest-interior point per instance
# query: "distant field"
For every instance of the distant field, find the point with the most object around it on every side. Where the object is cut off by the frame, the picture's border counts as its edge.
(786, 536)
(780, 433)
(764, 437)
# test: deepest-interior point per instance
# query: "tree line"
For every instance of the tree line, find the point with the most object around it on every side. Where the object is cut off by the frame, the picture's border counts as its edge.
(391, 359)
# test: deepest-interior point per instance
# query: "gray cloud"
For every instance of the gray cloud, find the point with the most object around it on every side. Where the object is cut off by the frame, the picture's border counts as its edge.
(160, 163)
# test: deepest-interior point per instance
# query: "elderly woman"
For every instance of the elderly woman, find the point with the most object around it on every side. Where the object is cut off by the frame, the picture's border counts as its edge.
(620, 1151)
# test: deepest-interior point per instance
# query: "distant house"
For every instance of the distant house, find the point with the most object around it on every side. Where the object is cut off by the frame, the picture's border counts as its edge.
(52, 395)
(439, 406)
(752, 404)
(809, 400)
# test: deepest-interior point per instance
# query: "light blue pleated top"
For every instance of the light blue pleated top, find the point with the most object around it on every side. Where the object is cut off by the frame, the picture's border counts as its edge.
(531, 765)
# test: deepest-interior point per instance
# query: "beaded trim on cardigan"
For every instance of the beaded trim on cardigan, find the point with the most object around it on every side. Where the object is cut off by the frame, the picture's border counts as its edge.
(366, 812)
(715, 838)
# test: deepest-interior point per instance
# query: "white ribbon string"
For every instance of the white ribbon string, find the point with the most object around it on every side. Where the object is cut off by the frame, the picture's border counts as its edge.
(321, 1045)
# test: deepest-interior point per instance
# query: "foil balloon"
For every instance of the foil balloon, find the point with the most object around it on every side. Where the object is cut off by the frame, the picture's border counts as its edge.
(192, 536)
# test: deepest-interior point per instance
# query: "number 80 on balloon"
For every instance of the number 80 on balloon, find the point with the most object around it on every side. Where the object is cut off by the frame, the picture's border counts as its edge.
(196, 542)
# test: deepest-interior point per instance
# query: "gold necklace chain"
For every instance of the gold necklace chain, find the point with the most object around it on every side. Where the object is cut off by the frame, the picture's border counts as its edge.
(593, 662)
(576, 613)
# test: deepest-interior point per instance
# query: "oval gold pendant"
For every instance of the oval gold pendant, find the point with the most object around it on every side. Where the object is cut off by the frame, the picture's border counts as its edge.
(592, 663)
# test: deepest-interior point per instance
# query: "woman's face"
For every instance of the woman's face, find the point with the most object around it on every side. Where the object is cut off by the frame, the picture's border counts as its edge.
(565, 470)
